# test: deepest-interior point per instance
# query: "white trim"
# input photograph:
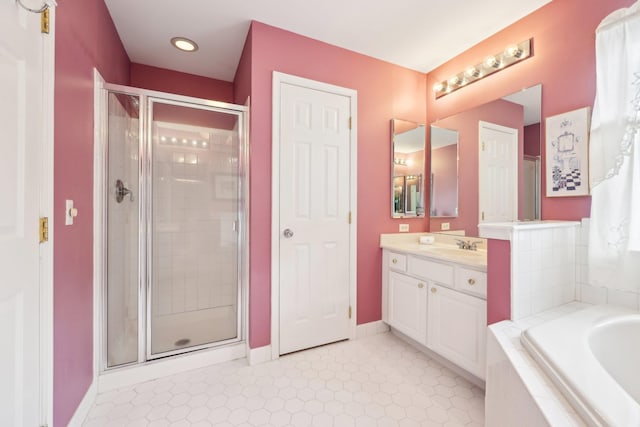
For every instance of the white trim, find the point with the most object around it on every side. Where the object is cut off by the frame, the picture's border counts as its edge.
(159, 368)
(371, 328)
(278, 80)
(46, 190)
(98, 219)
(259, 355)
(85, 406)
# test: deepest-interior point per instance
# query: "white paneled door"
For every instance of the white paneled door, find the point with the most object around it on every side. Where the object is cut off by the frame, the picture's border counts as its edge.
(498, 166)
(314, 217)
(21, 164)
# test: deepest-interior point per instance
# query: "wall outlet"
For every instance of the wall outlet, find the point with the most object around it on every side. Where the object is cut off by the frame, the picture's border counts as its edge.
(404, 228)
(445, 226)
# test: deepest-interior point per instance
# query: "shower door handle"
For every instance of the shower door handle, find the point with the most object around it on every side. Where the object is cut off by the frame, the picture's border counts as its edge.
(287, 233)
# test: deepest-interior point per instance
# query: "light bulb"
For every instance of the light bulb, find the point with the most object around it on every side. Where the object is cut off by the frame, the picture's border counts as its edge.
(514, 51)
(455, 80)
(492, 61)
(438, 87)
(472, 72)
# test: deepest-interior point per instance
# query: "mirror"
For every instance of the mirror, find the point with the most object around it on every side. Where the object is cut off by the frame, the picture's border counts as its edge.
(481, 198)
(443, 185)
(407, 168)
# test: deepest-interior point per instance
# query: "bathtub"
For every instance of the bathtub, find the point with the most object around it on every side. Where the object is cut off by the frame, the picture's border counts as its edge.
(593, 357)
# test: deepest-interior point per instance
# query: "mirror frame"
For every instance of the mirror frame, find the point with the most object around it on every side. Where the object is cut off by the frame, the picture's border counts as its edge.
(420, 208)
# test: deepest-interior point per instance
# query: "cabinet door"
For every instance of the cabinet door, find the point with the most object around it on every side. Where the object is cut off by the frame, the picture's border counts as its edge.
(408, 306)
(457, 328)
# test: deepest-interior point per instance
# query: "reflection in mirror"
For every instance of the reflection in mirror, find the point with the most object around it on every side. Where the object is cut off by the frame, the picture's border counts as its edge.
(407, 168)
(519, 112)
(444, 172)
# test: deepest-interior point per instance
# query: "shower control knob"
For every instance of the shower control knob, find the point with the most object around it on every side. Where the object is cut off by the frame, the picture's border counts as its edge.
(288, 233)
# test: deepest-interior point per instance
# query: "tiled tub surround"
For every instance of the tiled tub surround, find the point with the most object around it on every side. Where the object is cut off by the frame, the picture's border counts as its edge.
(434, 296)
(543, 259)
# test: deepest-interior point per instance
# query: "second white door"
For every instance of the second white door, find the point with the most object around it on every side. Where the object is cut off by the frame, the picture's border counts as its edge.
(498, 168)
(314, 217)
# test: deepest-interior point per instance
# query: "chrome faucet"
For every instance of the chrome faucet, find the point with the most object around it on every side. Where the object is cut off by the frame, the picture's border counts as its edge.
(468, 245)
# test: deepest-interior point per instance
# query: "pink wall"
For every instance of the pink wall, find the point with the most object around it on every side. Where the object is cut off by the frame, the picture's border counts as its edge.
(500, 112)
(85, 38)
(445, 180)
(498, 280)
(532, 140)
(385, 91)
(160, 79)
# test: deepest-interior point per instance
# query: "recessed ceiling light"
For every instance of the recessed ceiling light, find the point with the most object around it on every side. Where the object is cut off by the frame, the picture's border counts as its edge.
(184, 44)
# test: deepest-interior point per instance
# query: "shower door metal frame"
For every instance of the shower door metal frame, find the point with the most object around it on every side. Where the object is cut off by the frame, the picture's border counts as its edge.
(145, 238)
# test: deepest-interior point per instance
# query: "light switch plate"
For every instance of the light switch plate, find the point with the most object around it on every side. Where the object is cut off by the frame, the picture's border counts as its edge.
(403, 228)
(68, 207)
(444, 226)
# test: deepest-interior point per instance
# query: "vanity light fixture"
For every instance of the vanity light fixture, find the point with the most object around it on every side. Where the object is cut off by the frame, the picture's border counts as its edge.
(184, 44)
(491, 64)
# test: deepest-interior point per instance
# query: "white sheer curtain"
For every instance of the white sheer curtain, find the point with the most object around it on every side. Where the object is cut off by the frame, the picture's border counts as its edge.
(614, 233)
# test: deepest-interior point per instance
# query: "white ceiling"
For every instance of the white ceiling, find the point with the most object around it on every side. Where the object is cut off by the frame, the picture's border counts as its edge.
(417, 34)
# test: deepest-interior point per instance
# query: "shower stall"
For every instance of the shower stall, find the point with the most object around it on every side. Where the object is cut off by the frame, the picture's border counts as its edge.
(174, 212)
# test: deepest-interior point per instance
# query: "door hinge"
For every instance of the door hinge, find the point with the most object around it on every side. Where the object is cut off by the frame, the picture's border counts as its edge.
(44, 21)
(350, 122)
(349, 217)
(44, 229)
(349, 312)
(482, 146)
(483, 215)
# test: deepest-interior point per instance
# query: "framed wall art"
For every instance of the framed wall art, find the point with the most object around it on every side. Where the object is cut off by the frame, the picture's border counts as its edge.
(567, 153)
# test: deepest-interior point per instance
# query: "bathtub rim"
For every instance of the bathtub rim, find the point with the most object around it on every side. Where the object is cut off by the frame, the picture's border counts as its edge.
(577, 335)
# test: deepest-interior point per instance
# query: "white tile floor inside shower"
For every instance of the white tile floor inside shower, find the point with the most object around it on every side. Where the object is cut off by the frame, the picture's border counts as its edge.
(374, 381)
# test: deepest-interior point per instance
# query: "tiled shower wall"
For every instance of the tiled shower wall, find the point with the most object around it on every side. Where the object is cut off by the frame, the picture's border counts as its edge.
(194, 242)
(585, 290)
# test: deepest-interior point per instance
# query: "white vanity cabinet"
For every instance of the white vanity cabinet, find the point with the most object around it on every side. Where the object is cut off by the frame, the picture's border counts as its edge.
(456, 325)
(440, 304)
(408, 306)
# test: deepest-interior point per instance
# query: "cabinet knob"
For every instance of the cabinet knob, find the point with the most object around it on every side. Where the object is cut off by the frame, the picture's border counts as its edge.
(471, 282)
(434, 290)
(420, 285)
(395, 261)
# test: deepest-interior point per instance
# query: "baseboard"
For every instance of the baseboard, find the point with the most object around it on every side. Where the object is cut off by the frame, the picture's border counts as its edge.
(128, 376)
(259, 355)
(85, 406)
(371, 328)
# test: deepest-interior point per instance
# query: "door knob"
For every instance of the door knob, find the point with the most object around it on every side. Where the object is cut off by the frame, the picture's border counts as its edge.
(288, 233)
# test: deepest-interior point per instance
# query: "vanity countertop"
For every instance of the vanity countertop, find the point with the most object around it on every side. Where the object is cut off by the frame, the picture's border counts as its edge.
(439, 251)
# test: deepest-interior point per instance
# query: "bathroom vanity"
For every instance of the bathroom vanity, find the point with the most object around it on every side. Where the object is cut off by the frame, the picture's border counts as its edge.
(436, 295)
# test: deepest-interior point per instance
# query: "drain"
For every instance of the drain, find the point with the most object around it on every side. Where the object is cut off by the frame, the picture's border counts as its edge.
(182, 342)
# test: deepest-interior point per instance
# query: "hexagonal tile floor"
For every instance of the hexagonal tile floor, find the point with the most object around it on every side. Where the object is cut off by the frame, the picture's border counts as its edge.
(373, 381)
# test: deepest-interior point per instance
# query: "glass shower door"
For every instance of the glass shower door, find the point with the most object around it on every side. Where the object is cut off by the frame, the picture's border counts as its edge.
(193, 290)
(122, 250)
